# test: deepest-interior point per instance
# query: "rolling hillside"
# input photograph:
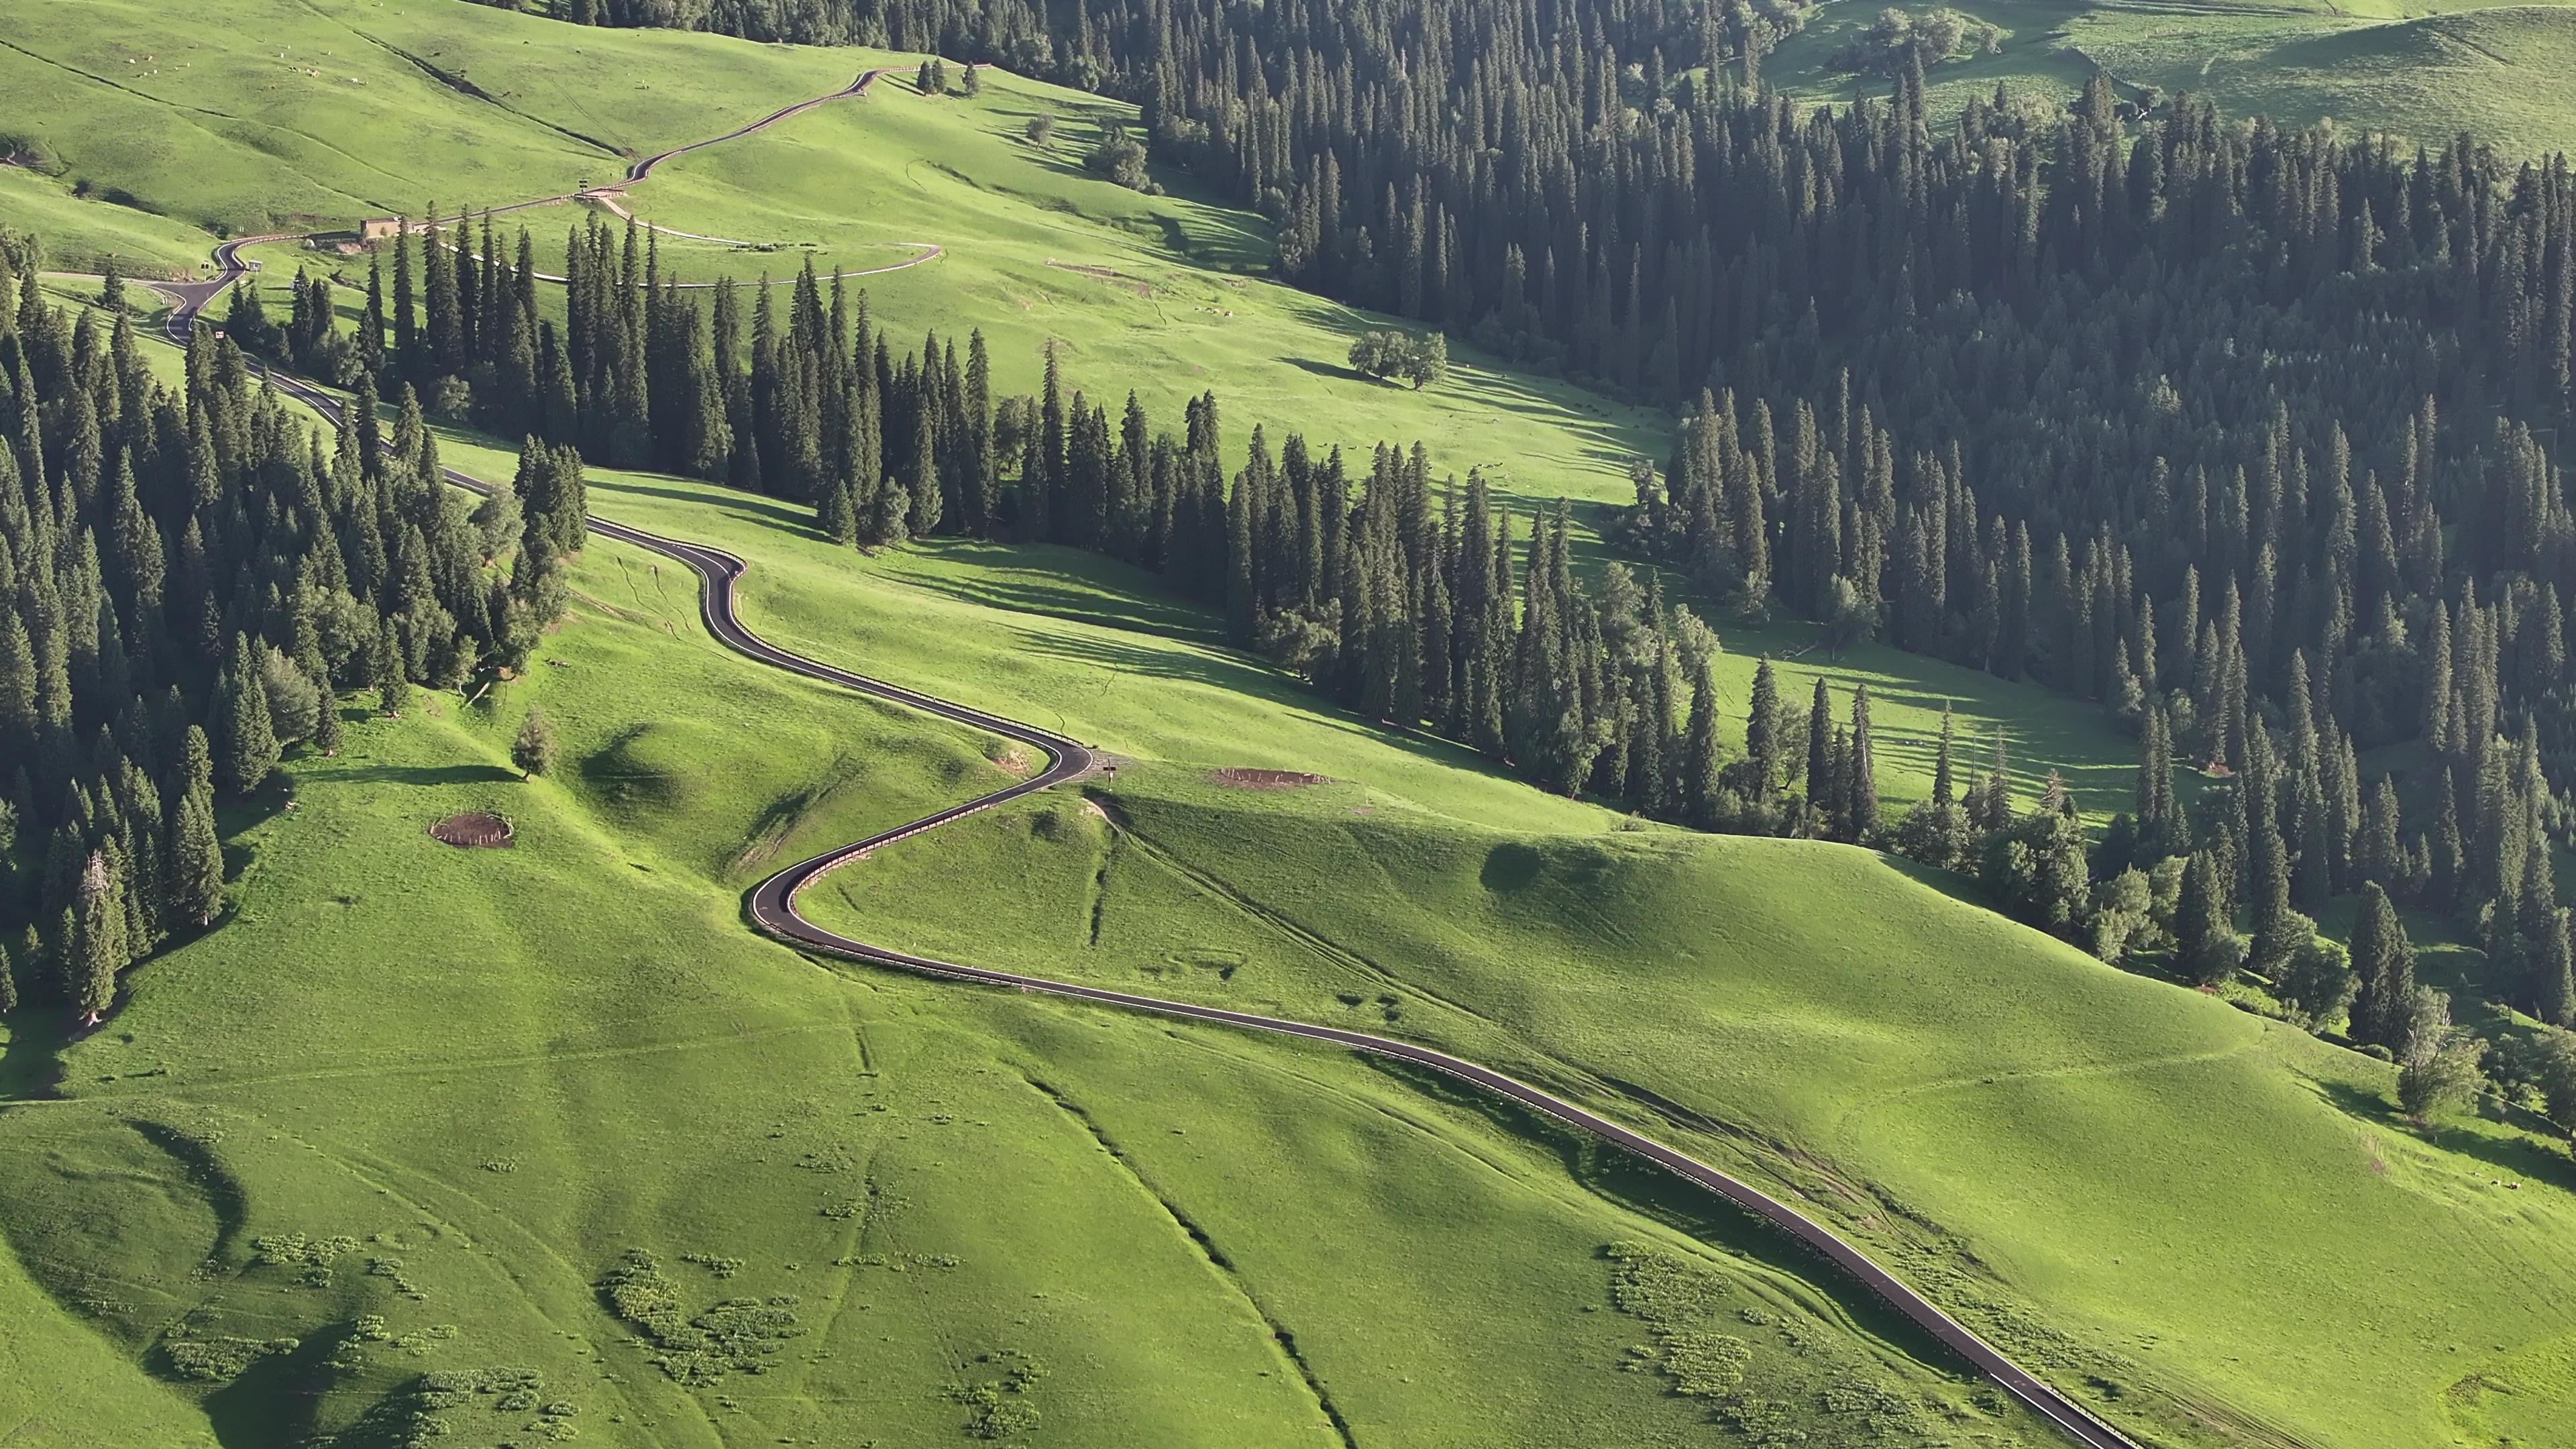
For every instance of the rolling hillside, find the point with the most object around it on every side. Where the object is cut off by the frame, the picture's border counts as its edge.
(2423, 71)
(376, 1155)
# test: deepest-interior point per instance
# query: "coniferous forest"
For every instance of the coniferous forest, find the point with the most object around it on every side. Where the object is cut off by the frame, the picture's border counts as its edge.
(193, 579)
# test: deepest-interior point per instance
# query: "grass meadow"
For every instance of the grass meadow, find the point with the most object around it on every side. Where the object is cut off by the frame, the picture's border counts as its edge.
(401, 1113)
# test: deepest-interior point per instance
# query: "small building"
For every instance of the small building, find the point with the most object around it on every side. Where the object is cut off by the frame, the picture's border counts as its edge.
(379, 228)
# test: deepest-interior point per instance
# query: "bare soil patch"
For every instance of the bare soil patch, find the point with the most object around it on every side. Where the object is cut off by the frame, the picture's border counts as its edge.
(1243, 779)
(474, 830)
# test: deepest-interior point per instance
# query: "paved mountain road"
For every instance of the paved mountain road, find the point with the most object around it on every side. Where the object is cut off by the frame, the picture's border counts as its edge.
(772, 906)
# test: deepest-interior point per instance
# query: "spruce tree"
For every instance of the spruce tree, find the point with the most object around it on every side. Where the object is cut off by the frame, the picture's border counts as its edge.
(99, 940)
(1860, 799)
(2206, 948)
(1820, 759)
(2385, 961)
(1699, 753)
(328, 728)
(247, 748)
(534, 749)
(196, 861)
(390, 672)
(1764, 752)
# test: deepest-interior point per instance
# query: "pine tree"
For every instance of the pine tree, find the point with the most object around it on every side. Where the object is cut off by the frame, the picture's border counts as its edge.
(1764, 724)
(328, 728)
(2554, 1000)
(196, 861)
(393, 683)
(98, 940)
(1860, 801)
(1820, 760)
(2207, 949)
(1699, 753)
(248, 744)
(2385, 961)
(534, 749)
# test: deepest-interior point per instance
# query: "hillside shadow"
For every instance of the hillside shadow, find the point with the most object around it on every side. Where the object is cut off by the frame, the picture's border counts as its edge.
(794, 517)
(277, 1399)
(426, 775)
(31, 1060)
(2516, 1159)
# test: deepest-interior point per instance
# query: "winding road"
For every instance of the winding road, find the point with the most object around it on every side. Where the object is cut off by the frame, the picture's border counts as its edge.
(772, 905)
(188, 299)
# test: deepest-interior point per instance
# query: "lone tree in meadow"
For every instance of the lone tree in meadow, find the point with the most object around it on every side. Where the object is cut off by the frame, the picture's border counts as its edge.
(534, 750)
(1386, 356)
(111, 284)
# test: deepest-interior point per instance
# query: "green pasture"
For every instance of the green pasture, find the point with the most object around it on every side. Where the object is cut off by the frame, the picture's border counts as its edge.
(2214, 1224)
(472, 1080)
(2424, 71)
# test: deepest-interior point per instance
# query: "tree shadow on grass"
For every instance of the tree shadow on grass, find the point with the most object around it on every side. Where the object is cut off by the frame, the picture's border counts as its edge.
(1332, 370)
(425, 775)
(1239, 675)
(795, 517)
(277, 1399)
(2518, 1158)
(1010, 580)
(31, 1060)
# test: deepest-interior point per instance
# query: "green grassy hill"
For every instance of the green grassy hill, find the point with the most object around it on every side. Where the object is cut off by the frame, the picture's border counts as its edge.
(2425, 71)
(495, 1073)
(411, 1104)
(2204, 1215)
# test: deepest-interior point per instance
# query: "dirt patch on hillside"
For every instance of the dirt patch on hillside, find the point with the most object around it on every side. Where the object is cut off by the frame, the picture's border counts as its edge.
(1243, 779)
(1009, 759)
(474, 830)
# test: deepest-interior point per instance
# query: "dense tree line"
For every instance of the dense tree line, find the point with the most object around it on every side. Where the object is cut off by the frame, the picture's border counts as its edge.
(1416, 613)
(188, 579)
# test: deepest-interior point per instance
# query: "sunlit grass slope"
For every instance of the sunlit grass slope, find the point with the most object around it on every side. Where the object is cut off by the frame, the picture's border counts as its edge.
(2200, 1215)
(2424, 69)
(1163, 295)
(409, 1105)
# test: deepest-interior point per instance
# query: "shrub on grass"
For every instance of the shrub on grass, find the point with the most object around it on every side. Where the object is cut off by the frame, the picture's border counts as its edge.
(534, 750)
(220, 1360)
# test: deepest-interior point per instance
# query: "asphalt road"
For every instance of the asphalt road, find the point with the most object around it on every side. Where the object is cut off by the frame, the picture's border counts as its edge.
(772, 906)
